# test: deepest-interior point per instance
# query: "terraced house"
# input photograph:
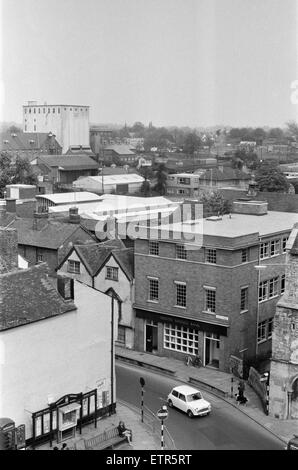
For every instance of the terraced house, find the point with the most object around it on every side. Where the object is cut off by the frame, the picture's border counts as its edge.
(213, 298)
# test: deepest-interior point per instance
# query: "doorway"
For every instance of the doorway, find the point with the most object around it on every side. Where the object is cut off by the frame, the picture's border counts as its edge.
(212, 346)
(151, 343)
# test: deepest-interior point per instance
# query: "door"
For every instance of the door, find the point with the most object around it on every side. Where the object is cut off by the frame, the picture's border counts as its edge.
(182, 402)
(212, 346)
(151, 338)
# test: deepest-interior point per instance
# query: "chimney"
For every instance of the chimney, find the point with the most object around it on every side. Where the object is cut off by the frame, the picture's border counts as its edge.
(250, 207)
(74, 217)
(11, 205)
(65, 287)
(8, 250)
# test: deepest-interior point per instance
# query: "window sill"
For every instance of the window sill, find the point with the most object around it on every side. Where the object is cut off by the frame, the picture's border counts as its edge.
(180, 306)
(262, 341)
(244, 311)
(152, 301)
(109, 279)
(209, 311)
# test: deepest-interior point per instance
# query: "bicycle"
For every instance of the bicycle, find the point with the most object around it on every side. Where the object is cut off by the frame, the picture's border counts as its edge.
(195, 362)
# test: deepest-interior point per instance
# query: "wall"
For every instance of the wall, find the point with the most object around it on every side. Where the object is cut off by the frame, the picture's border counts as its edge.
(73, 348)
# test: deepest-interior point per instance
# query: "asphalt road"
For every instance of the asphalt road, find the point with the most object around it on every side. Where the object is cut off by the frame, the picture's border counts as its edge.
(225, 428)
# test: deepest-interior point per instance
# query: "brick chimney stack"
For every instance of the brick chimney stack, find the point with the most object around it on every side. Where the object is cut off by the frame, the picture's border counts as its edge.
(8, 250)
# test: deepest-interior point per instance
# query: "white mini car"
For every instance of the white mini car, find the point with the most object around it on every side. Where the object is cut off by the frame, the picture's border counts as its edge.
(189, 400)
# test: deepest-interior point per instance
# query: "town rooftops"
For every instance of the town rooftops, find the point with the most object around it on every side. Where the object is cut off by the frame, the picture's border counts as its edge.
(68, 162)
(69, 198)
(226, 173)
(23, 140)
(28, 296)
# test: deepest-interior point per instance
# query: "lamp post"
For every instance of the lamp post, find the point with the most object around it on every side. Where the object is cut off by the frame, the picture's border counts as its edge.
(162, 414)
(112, 354)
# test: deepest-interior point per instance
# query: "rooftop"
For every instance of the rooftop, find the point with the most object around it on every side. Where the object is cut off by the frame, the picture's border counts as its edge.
(68, 162)
(125, 178)
(237, 225)
(36, 297)
(63, 198)
(121, 149)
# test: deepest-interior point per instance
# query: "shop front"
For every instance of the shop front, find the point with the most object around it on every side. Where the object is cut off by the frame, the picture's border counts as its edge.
(62, 419)
(170, 336)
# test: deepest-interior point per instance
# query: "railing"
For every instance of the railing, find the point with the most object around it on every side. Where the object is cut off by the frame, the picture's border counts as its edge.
(153, 422)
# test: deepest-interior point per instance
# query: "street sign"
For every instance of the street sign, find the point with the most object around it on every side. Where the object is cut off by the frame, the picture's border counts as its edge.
(162, 414)
(142, 382)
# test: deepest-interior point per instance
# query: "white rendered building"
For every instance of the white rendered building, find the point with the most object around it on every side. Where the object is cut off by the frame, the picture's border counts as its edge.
(69, 123)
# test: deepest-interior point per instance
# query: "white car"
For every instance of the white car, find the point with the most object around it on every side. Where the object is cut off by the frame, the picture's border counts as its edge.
(189, 400)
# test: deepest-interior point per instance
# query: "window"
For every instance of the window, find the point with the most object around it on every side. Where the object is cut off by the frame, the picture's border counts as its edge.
(180, 294)
(211, 256)
(182, 397)
(112, 273)
(58, 110)
(274, 247)
(243, 299)
(273, 287)
(181, 191)
(73, 266)
(284, 242)
(25, 127)
(244, 255)
(29, 110)
(264, 250)
(153, 248)
(263, 291)
(44, 110)
(34, 111)
(53, 110)
(181, 338)
(25, 110)
(282, 283)
(181, 252)
(153, 289)
(39, 258)
(270, 328)
(38, 110)
(184, 181)
(34, 128)
(210, 299)
(261, 331)
(121, 334)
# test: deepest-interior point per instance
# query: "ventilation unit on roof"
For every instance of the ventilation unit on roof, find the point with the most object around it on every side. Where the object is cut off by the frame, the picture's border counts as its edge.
(5, 141)
(13, 135)
(214, 218)
(31, 141)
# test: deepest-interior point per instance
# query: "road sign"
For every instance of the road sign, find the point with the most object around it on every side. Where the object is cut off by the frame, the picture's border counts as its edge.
(162, 414)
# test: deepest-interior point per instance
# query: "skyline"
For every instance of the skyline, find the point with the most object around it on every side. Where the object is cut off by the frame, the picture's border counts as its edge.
(196, 63)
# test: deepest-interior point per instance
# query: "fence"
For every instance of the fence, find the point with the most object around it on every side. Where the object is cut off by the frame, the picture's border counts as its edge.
(258, 386)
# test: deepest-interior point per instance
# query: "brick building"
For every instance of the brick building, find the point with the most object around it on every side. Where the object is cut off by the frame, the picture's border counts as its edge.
(283, 398)
(209, 298)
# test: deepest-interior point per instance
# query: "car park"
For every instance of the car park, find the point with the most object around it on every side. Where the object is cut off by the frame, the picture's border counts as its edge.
(190, 400)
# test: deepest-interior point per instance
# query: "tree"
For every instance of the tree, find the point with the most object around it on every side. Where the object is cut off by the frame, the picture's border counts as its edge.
(14, 129)
(214, 203)
(292, 129)
(192, 142)
(243, 157)
(19, 173)
(161, 176)
(145, 188)
(270, 178)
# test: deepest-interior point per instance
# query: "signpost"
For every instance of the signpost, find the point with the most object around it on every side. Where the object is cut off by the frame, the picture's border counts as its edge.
(162, 414)
(142, 382)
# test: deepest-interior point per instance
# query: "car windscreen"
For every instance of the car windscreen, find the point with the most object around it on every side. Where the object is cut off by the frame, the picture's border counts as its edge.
(194, 397)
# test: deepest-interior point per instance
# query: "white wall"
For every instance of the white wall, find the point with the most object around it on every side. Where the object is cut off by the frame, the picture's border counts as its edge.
(65, 354)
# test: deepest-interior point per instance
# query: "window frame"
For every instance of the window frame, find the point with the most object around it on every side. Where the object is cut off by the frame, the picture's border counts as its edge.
(181, 252)
(182, 295)
(153, 248)
(112, 270)
(210, 255)
(244, 289)
(210, 291)
(152, 280)
(262, 328)
(74, 269)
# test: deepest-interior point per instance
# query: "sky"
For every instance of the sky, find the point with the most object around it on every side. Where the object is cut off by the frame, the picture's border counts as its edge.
(170, 62)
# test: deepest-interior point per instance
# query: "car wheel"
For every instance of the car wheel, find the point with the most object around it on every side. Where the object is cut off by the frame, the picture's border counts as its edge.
(189, 413)
(170, 403)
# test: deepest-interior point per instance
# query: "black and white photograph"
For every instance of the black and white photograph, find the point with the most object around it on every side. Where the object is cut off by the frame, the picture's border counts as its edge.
(149, 228)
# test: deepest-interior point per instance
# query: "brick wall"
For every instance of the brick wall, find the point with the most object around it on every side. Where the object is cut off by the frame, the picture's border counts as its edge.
(8, 250)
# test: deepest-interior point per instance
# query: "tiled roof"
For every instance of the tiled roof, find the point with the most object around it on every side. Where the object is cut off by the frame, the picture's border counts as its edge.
(48, 233)
(21, 140)
(68, 162)
(120, 149)
(125, 259)
(28, 296)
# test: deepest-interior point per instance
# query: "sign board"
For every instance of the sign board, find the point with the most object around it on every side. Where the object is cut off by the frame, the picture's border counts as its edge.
(162, 414)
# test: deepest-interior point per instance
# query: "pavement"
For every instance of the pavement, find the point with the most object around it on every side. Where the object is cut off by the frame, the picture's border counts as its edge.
(216, 382)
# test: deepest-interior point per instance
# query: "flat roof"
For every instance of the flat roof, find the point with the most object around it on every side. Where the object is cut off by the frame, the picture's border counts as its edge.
(112, 179)
(62, 198)
(32, 105)
(114, 202)
(237, 225)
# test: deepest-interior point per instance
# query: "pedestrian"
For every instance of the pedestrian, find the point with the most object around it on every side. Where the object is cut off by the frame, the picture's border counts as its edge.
(123, 431)
(64, 446)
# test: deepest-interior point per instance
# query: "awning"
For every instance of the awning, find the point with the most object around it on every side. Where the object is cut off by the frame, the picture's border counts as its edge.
(71, 407)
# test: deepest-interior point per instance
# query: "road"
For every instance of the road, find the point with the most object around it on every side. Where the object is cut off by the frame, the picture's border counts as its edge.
(226, 428)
